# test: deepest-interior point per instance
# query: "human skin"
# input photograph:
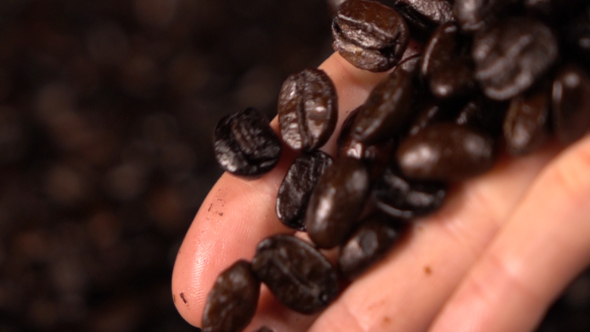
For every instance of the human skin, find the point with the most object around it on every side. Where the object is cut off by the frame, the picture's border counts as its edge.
(494, 258)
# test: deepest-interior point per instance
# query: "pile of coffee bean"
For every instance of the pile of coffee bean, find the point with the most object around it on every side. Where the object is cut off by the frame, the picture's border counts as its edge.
(492, 76)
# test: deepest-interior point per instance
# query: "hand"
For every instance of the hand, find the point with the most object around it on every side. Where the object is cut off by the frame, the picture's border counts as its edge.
(498, 253)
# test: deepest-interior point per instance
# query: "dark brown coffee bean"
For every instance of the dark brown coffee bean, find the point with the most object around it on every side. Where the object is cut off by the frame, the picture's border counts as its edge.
(296, 273)
(369, 243)
(512, 56)
(445, 152)
(440, 50)
(369, 35)
(308, 109)
(428, 113)
(474, 15)
(245, 144)
(526, 126)
(483, 114)
(401, 198)
(336, 202)
(232, 302)
(571, 104)
(424, 15)
(386, 110)
(452, 81)
(376, 156)
(298, 185)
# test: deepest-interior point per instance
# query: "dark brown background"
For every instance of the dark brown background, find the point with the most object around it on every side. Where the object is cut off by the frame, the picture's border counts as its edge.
(106, 115)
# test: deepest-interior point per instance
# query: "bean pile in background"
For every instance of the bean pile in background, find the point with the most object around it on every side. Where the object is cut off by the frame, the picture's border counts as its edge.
(106, 114)
(470, 80)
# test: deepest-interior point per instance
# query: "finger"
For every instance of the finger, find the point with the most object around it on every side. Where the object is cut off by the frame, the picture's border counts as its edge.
(238, 213)
(544, 245)
(406, 290)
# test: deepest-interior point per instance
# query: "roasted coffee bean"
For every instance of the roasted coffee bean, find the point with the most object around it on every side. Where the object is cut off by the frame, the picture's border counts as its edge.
(526, 126)
(445, 152)
(429, 112)
(369, 35)
(402, 198)
(232, 302)
(376, 156)
(368, 244)
(452, 81)
(336, 202)
(296, 273)
(308, 109)
(440, 50)
(571, 102)
(424, 15)
(474, 15)
(483, 114)
(387, 109)
(245, 144)
(512, 56)
(298, 185)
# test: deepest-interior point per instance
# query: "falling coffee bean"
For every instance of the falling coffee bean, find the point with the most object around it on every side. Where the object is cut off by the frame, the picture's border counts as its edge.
(296, 273)
(405, 199)
(232, 302)
(308, 109)
(245, 144)
(371, 241)
(336, 202)
(369, 35)
(445, 152)
(512, 56)
(571, 102)
(298, 185)
(526, 126)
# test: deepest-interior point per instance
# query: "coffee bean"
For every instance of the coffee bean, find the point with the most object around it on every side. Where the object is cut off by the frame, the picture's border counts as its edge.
(371, 241)
(296, 273)
(477, 15)
(369, 35)
(483, 114)
(376, 156)
(387, 109)
(571, 102)
(445, 152)
(526, 124)
(428, 113)
(401, 198)
(336, 202)
(424, 15)
(245, 144)
(308, 109)
(232, 302)
(298, 185)
(452, 81)
(440, 50)
(512, 56)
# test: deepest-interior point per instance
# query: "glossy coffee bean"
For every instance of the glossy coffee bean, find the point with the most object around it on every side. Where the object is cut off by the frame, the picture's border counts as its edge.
(526, 126)
(512, 56)
(428, 113)
(571, 102)
(445, 152)
(424, 15)
(483, 114)
(475, 15)
(307, 110)
(368, 244)
(369, 35)
(405, 199)
(336, 202)
(245, 144)
(440, 50)
(453, 81)
(387, 109)
(232, 302)
(376, 156)
(296, 273)
(298, 185)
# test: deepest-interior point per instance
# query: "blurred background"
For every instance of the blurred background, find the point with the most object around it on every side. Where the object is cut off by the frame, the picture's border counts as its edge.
(106, 115)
